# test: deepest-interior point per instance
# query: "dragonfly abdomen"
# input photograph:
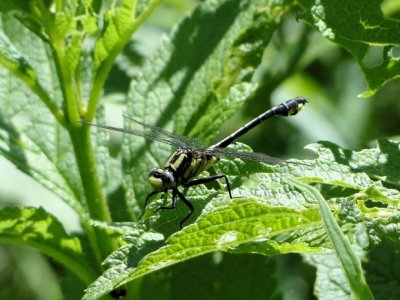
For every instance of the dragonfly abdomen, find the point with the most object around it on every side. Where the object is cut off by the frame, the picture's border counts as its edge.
(288, 108)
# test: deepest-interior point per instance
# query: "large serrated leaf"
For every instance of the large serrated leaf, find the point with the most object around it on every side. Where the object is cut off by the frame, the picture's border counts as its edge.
(270, 221)
(30, 56)
(220, 230)
(46, 158)
(34, 227)
(41, 148)
(120, 21)
(361, 28)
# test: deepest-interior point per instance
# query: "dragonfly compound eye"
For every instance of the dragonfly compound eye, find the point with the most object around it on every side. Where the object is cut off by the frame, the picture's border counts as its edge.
(161, 179)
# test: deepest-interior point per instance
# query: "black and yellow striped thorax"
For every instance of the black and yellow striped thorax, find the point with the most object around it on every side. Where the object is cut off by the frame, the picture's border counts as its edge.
(181, 167)
(185, 164)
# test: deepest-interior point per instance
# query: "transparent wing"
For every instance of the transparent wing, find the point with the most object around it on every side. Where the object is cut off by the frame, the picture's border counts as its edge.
(160, 135)
(182, 141)
(254, 156)
(155, 134)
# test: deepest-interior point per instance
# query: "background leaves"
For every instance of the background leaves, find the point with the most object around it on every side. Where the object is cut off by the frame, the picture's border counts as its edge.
(224, 55)
(361, 28)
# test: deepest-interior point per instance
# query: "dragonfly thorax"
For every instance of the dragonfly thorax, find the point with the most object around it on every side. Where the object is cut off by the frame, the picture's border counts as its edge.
(185, 164)
(181, 167)
(161, 179)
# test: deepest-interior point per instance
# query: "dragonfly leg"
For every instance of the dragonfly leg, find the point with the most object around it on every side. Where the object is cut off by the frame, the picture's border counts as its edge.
(176, 192)
(209, 179)
(173, 205)
(188, 204)
(147, 201)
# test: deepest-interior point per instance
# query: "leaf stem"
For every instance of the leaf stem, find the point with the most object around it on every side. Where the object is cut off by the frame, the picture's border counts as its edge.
(350, 262)
(28, 76)
(81, 270)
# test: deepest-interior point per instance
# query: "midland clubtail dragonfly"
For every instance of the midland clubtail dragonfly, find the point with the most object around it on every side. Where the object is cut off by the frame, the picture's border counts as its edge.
(191, 157)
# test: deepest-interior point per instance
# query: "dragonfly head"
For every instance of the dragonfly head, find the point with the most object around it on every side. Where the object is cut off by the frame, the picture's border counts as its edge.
(161, 179)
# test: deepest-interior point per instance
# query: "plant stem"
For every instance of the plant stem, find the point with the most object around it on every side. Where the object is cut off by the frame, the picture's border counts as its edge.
(68, 84)
(95, 199)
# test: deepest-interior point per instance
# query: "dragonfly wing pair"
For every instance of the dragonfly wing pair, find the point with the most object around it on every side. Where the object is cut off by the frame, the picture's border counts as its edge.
(193, 157)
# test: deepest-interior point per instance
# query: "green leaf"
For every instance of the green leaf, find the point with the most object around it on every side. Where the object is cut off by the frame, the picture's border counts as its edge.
(216, 276)
(26, 6)
(119, 24)
(29, 13)
(377, 210)
(220, 230)
(331, 282)
(362, 29)
(42, 148)
(274, 218)
(385, 228)
(10, 57)
(26, 56)
(34, 227)
(351, 264)
(194, 92)
(383, 269)
(140, 243)
(380, 162)
(357, 169)
(43, 152)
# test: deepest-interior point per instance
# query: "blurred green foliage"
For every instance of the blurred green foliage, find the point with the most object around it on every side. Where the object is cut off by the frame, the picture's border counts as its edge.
(297, 61)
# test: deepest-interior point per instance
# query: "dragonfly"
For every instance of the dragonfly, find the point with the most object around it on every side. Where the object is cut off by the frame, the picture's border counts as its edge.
(192, 157)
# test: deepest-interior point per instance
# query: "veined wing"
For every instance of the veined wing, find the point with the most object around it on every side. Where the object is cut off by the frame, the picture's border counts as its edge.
(253, 156)
(184, 142)
(161, 135)
(155, 134)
